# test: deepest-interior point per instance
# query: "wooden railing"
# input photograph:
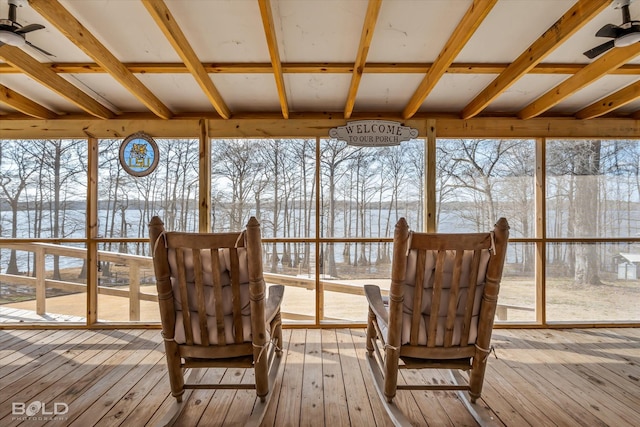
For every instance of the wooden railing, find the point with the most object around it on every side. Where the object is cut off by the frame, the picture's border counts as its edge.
(135, 265)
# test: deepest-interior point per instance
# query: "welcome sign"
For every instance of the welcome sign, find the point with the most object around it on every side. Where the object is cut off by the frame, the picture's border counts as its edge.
(373, 133)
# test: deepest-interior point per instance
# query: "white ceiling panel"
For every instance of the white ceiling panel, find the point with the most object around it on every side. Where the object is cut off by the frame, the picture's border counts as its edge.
(125, 28)
(248, 92)
(380, 92)
(222, 30)
(510, 28)
(317, 92)
(419, 35)
(454, 91)
(179, 92)
(49, 99)
(525, 91)
(318, 30)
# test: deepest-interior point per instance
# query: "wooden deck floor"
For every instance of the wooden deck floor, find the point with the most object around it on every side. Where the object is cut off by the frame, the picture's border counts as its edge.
(581, 377)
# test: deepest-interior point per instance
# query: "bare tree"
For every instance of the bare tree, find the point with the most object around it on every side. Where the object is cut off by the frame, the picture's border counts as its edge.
(334, 157)
(236, 163)
(17, 165)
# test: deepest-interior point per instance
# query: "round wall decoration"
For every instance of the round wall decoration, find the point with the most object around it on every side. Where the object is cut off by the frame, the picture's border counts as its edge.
(139, 154)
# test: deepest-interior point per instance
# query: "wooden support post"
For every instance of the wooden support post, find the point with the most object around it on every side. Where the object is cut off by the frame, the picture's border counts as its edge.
(541, 229)
(41, 289)
(92, 232)
(134, 291)
(430, 223)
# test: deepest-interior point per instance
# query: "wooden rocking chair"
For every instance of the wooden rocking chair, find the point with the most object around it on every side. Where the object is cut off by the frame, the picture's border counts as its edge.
(213, 310)
(441, 308)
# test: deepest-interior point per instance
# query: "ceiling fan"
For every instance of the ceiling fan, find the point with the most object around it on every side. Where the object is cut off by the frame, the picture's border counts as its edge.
(622, 35)
(13, 34)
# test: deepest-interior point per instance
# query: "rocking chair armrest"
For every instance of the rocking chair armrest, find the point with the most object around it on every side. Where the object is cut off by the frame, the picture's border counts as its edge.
(376, 304)
(274, 300)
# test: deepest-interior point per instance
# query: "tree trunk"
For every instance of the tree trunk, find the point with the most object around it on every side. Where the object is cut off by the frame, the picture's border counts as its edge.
(587, 263)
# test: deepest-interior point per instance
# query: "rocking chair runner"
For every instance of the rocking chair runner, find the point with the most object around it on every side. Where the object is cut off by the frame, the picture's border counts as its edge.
(442, 303)
(211, 293)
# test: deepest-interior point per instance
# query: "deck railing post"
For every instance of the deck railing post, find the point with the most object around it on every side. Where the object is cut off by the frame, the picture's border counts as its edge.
(41, 289)
(134, 291)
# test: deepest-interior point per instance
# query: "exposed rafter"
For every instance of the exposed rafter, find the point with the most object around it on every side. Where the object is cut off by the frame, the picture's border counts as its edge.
(598, 68)
(272, 43)
(612, 102)
(68, 25)
(574, 19)
(461, 35)
(170, 28)
(365, 41)
(24, 104)
(45, 76)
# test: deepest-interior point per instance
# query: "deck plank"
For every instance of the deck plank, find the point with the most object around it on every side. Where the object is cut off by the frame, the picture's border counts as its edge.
(312, 396)
(272, 410)
(358, 404)
(118, 378)
(379, 413)
(335, 396)
(292, 381)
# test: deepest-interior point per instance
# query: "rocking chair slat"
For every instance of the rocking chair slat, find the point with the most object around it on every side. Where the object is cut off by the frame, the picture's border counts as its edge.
(471, 297)
(434, 314)
(417, 298)
(452, 311)
(235, 295)
(217, 296)
(184, 297)
(200, 298)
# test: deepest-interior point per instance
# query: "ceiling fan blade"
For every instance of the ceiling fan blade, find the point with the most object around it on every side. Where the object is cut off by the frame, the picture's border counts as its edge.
(599, 50)
(609, 30)
(29, 28)
(40, 49)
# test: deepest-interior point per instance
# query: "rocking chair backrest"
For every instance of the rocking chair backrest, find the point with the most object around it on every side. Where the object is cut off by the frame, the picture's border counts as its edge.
(205, 286)
(445, 286)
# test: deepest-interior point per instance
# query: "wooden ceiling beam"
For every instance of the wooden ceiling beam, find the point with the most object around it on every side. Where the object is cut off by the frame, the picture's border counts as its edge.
(272, 43)
(313, 125)
(598, 68)
(610, 103)
(45, 76)
(172, 31)
(368, 27)
(476, 13)
(24, 105)
(574, 19)
(317, 68)
(68, 25)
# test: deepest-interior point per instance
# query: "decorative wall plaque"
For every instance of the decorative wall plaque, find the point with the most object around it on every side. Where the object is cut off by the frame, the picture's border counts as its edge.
(373, 133)
(139, 154)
